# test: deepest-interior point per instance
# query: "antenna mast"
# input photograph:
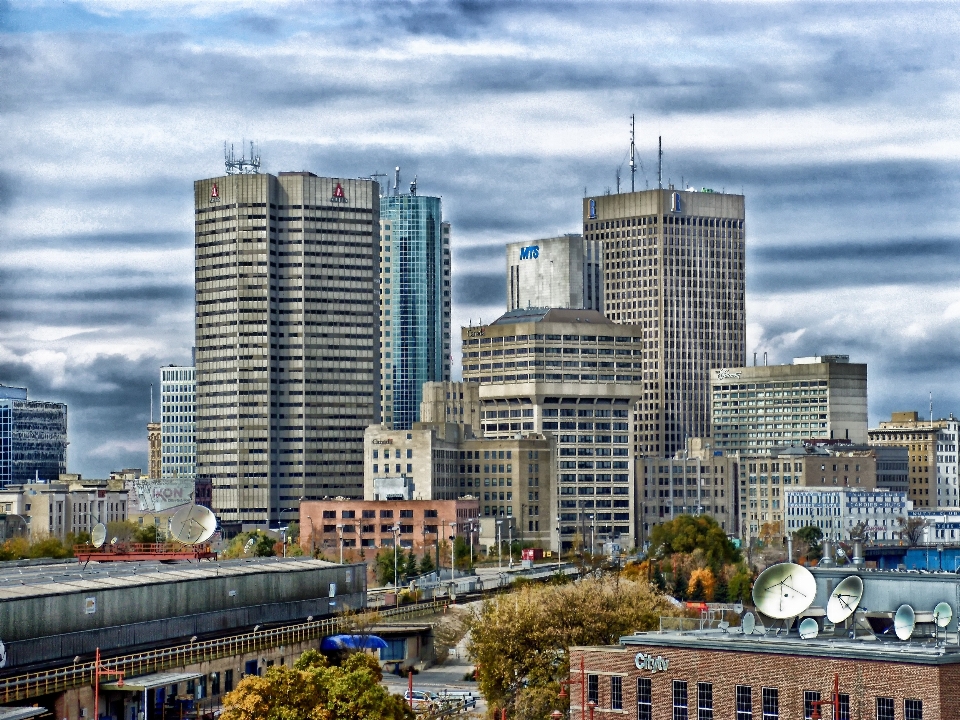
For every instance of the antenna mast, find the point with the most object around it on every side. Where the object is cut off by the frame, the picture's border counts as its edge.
(241, 165)
(633, 163)
(931, 407)
(151, 402)
(396, 182)
(660, 161)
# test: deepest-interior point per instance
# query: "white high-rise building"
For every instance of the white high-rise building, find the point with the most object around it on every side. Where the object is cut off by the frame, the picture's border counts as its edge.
(559, 272)
(178, 422)
(948, 489)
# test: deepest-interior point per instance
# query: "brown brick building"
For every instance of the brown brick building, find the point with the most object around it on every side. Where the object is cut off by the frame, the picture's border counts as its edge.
(709, 675)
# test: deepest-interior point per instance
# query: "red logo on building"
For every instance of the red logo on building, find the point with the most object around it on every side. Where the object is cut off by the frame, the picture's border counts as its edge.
(214, 194)
(338, 195)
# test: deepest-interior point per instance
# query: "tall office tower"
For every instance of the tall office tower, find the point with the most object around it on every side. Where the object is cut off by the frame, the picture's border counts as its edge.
(560, 272)
(571, 374)
(673, 264)
(178, 422)
(415, 302)
(33, 438)
(815, 398)
(288, 355)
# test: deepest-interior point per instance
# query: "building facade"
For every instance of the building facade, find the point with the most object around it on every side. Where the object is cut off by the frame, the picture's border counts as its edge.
(559, 272)
(451, 402)
(178, 422)
(415, 302)
(363, 526)
(287, 339)
(893, 467)
(155, 448)
(822, 397)
(698, 481)
(845, 513)
(946, 449)
(33, 438)
(673, 265)
(920, 437)
(573, 375)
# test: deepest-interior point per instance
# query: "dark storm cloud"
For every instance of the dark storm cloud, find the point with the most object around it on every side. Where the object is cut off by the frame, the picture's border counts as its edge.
(477, 289)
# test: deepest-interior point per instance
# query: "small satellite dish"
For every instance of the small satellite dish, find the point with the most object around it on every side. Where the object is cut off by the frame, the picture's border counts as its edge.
(748, 623)
(115, 540)
(3, 655)
(904, 622)
(738, 608)
(942, 614)
(809, 629)
(844, 598)
(784, 590)
(193, 524)
(98, 536)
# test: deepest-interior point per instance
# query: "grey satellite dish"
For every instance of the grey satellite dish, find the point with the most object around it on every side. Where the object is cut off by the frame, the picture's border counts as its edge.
(98, 536)
(844, 599)
(904, 622)
(809, 629)
(784, 590)
(942, 614)
(748, 623)
(3, 655)
(193, 524)
(738, 608)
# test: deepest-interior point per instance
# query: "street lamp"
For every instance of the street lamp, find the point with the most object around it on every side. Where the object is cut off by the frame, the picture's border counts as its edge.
(340, 533)
(499, 522)
(396, 580)
(510, 531)
(471, 545)
(453, 537)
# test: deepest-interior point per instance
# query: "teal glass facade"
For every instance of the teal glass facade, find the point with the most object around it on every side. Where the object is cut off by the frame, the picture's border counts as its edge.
(413, 303)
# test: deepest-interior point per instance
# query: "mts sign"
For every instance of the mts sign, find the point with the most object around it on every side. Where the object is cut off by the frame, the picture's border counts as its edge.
(531, 252)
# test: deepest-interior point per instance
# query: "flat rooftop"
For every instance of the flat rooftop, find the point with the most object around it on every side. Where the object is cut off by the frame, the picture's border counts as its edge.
(17, 582)
(917, 651)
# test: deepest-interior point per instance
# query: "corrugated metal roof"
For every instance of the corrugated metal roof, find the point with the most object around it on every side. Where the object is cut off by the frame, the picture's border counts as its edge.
(552, 315)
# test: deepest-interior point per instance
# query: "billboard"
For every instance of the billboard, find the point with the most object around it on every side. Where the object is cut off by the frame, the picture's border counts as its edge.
(154, 496)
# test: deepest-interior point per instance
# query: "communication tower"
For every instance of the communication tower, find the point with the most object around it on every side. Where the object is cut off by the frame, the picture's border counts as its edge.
(241, 165)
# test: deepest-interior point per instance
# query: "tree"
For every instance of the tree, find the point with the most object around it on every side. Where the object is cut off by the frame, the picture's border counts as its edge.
(702, 584)
(520, 640)
(811, 537)
(461, 552)
(426, 563)
(680, 583)
(49, 547)
(251, 544)
(740, 585)
(686, 533)
(313, 689)
(911, 531)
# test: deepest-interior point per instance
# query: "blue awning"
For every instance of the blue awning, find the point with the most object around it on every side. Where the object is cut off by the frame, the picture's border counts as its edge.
(353, 642)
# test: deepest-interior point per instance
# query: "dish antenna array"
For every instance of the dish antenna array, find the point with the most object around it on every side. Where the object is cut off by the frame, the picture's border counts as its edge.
(98, 536)
(193, 524)
(243, 165)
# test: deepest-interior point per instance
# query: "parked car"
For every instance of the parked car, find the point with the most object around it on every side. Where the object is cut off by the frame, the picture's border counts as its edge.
(421, 698)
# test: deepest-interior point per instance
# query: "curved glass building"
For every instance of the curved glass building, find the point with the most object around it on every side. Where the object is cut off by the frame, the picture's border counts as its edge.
(415, 302)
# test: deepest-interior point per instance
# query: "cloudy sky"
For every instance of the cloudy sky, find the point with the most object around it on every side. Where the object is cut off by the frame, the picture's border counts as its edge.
(839, 123)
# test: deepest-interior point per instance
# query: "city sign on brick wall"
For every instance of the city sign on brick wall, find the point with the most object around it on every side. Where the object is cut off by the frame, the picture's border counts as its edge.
(651, 663)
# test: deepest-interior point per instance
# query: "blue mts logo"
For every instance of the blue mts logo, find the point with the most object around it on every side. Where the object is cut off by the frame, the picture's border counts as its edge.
(531, 252)
(593, 209)
(676, 203)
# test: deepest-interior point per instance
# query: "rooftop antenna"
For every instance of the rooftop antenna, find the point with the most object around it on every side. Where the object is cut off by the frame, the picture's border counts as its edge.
(396, 182)
(151, 402)
(660, 161)
(633, 155)
(413, 186)
(243, 165)
(618, 178)
(375, 175)
(931, 407)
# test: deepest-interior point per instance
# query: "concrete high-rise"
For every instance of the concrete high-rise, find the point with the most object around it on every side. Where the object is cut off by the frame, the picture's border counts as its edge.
(178, 422)
(673, 265)
(287, 339)
(33, 438)
(560, 272)
(415, 302)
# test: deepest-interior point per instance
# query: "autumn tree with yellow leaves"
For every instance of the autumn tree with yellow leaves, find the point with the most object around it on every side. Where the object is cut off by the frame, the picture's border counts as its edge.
(313, 689)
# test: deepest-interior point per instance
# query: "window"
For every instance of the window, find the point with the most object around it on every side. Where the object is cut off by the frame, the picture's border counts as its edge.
(704, 701)
(644, 699)
(593, 688)
(810, 697)
(884, 708)
(616, 693)
(228, 681)
(771, 704)
(912, 709)
(744, 702)
(844, 709)
(679, 700)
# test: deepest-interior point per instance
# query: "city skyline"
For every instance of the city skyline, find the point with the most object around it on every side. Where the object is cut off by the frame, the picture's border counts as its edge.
(844, 151)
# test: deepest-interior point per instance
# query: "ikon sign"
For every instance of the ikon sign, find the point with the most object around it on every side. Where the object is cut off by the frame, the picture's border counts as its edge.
(651, 663)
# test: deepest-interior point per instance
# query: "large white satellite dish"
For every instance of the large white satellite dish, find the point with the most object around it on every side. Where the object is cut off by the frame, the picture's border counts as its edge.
(784, 590)
(844, 598)
(98, 536)
(749, 623)
(809, 629)
(904, 622)
(193, 524)
(942, 614)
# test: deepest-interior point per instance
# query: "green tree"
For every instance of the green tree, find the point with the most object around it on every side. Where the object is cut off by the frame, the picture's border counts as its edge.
(686, 533)
(426, 563)
(680, 585)
(313, 689)
(384, 566)
(461, 553)
(658, 580)
(49, 547)
(720, 593)
(251, 544)
(740, 585)
(520, 640)
(808, 540)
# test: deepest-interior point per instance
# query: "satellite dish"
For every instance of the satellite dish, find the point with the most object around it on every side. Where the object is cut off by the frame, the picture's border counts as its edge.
(738, 608)
(3, 655)
(98, 536)
(942, 614)
(784, 590)
(193, 524)
(809, 629)
(844, 598)
(748, 623)
(904, 622)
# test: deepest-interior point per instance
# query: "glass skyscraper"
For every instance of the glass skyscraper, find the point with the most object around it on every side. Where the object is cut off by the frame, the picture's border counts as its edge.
(33, 438)
(415, 302)
(178, 422)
